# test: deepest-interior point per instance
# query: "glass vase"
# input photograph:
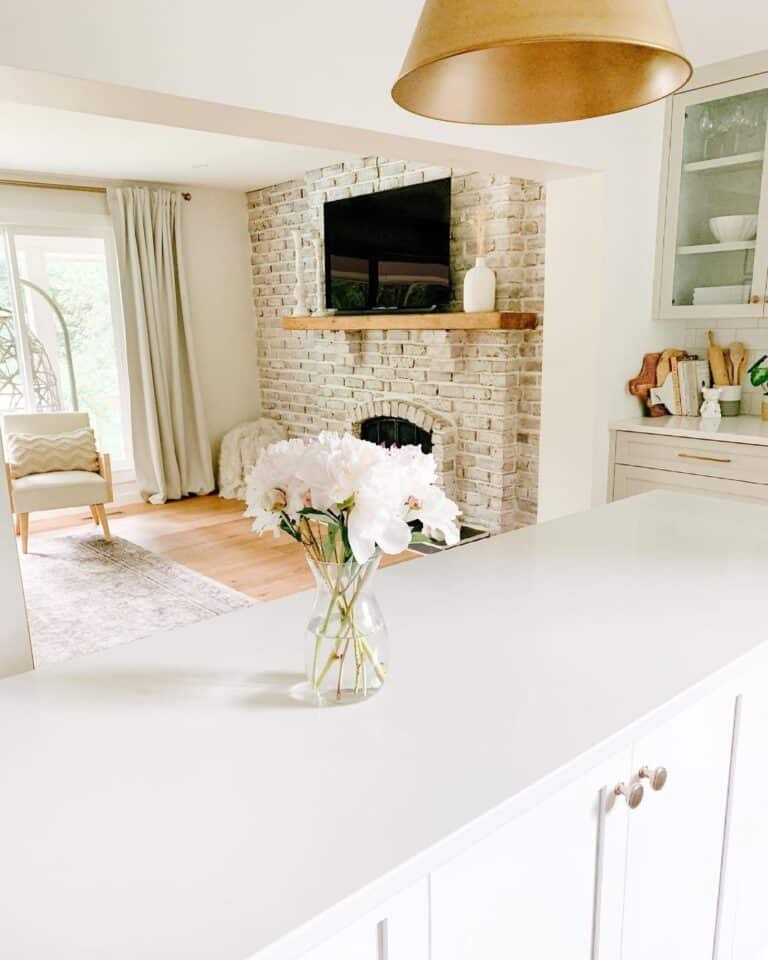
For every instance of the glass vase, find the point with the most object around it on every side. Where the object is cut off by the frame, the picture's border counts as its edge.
(347, 651)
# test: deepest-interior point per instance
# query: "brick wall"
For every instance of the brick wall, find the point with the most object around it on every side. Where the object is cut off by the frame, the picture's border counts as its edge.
(480, 390)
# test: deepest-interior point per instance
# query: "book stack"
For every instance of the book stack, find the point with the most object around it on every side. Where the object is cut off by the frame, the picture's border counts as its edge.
(689, 377)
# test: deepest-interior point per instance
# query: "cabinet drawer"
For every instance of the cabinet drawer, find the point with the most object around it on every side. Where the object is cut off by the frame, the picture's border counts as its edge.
(631, 481)
(705, 458)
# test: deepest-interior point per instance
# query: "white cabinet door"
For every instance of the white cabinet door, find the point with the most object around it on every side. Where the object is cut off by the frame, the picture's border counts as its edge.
(399, 930)
(744, 926)
(675, 841)
(547, 885)
(714, 243)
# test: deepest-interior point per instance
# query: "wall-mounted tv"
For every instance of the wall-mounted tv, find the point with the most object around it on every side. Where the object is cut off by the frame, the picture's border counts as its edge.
(389, 251)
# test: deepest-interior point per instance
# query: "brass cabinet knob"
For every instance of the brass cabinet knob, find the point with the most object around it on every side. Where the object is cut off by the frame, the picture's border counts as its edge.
(756, 298)
(656, 777)
(632, 793)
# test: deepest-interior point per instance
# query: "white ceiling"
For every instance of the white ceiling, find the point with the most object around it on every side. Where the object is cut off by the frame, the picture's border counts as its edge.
(46, 141)
(332, 61)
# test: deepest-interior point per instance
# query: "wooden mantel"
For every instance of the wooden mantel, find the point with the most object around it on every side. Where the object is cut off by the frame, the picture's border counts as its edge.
(415, 321)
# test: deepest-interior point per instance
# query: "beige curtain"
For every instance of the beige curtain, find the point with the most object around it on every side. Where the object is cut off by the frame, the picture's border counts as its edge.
(170, 444)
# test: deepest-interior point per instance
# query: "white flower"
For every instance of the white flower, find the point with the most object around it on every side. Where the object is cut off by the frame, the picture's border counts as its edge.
(419, 467)
(274, 485)
(425, 501)
(437, 513)
(378, 516)
(335, 467)
(374, 491)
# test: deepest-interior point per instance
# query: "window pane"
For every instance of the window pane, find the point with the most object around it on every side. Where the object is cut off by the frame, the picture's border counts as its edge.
(71, 334)
(11, 390)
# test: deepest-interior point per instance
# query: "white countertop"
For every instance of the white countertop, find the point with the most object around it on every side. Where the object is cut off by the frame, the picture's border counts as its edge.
(733, 429)
(168, 798)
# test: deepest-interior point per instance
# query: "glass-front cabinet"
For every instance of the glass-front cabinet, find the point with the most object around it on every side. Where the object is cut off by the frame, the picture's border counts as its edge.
(714, 240)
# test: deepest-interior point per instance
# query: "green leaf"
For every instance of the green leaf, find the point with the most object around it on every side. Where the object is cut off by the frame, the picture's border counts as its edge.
(345, 538)
(329, 544)
(287, 527)
(418, 537)
(323, 516)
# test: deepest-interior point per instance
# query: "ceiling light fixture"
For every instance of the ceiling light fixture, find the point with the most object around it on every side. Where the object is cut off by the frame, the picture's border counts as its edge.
(539, 61)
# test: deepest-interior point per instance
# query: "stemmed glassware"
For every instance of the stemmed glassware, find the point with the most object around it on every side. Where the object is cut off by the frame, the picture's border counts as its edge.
(739, 125)
(732, 129)
(706, 128)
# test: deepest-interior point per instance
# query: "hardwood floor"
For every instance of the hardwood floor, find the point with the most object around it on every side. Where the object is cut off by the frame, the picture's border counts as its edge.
(209, 535)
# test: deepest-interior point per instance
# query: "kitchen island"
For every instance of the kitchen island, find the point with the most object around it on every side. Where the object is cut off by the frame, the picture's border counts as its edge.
(173, 798)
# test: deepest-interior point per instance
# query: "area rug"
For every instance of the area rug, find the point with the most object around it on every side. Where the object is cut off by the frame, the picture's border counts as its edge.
(84, 594)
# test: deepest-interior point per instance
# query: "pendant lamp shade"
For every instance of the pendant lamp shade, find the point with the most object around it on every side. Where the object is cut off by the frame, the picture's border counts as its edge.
(539, 61)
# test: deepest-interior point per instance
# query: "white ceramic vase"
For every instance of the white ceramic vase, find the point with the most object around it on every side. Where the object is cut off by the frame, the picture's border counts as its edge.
(479, 288)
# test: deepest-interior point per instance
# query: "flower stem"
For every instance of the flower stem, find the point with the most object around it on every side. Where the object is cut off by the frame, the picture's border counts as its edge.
(347, 631)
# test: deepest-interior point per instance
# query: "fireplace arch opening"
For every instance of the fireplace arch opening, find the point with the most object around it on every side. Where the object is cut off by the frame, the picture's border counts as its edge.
(395, 431)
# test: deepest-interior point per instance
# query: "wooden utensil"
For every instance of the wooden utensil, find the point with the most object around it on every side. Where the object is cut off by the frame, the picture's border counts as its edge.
(738, 356)
(664, 366)
(717, 363)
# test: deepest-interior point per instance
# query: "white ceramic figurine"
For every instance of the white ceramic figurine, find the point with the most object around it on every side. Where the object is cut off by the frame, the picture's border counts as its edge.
(711, 406)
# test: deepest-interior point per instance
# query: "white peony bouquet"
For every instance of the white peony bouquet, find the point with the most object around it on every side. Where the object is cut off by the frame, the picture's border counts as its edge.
(347, 501)
(363, 495)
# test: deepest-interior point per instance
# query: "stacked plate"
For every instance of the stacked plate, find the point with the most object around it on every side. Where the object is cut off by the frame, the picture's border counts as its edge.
(716, 296)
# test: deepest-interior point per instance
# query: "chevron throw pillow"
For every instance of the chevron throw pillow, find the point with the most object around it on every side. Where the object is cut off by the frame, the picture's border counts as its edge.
(29, 453)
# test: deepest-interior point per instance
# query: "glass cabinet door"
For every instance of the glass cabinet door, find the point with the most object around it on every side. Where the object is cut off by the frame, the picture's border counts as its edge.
(717, 183)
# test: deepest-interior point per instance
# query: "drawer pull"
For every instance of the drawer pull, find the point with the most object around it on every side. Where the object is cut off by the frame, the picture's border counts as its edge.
(694, 456)
(656, 778)
(632, 793)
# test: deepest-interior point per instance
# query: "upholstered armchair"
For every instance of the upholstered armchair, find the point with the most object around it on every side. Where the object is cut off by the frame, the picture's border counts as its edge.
(59, 488)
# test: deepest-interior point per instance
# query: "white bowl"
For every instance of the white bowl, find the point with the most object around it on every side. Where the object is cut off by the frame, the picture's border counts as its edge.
(728, 229)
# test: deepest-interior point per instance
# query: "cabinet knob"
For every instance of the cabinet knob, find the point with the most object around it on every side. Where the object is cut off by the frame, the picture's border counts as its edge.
(632, 793)
(656, 778)
(756, 298)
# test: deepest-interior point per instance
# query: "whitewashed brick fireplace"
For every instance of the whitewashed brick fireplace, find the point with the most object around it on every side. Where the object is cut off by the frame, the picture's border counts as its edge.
(476, 392)
(441, 429)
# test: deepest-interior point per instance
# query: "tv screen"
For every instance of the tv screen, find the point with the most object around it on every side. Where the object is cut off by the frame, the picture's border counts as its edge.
(389, 250)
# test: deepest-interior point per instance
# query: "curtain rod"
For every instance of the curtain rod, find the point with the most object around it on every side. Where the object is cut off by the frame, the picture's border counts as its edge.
(64, 186)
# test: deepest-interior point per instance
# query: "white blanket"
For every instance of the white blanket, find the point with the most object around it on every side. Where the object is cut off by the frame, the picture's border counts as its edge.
(240, 450)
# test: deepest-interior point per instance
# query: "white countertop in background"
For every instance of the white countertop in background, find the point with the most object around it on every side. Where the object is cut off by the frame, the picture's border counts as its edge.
(733, 429)
(168, 798)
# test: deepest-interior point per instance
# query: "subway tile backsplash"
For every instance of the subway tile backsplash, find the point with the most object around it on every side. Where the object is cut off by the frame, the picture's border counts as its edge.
(752, 333)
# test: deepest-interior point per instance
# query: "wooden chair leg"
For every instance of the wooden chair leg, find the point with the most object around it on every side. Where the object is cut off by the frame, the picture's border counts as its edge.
(104, 522)
(24, 530)
(95, 513)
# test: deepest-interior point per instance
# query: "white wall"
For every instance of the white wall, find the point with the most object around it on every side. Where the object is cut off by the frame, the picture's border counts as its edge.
(15, 649)
(55, 208)
(216, 250)
(575, 226)
(628, 328)
(598, 311)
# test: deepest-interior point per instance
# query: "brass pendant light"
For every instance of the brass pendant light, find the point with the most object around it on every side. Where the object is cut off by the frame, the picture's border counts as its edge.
(539, 61)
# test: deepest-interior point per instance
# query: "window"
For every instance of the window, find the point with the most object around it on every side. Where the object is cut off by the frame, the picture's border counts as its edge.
(61, 343)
